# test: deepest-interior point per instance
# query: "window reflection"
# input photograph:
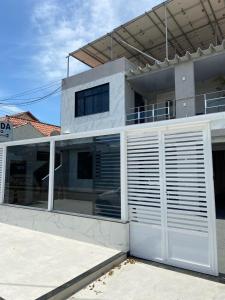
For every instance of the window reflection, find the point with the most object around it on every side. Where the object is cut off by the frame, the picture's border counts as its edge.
(87, 176)
(27, 175)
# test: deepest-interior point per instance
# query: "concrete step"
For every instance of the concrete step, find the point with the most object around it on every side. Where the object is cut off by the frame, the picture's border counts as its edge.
(71, 287)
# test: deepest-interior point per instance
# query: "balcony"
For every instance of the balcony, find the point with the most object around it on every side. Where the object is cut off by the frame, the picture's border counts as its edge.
(210, 102)
(151, 113)
(207, 103)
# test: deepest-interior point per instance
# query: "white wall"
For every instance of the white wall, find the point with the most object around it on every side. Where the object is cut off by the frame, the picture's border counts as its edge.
(113, 234)
(25, 132)
(112, 73)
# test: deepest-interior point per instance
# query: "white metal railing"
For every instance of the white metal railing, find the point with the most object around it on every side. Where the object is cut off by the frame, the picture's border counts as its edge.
(150, 113)
(211, 102)
(214, 102)
(206, 103)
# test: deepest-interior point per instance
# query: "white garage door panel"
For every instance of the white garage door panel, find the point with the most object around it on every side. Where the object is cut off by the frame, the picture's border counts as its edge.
(144, 202)
(188, 247)
(187, 207)
(170, 197)
(150, 237)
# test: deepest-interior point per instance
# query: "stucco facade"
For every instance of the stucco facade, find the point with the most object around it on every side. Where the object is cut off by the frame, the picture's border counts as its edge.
(112, 73)
(183, 84)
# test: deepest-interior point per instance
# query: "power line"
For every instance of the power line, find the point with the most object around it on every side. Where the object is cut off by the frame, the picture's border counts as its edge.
(31, 91)
(23, 99)
(34, 100)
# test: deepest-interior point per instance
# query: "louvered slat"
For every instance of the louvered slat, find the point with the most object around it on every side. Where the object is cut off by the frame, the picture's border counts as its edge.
(186, 191)
(143, 165)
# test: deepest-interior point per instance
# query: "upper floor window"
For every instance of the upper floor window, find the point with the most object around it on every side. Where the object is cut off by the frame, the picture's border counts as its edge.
(92, 101)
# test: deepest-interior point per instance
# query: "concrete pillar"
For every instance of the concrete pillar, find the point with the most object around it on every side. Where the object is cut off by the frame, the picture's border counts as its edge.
(185, 90)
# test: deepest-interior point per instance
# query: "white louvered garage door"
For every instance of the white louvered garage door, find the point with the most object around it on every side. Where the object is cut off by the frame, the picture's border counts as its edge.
(144, 194)
(172, 214)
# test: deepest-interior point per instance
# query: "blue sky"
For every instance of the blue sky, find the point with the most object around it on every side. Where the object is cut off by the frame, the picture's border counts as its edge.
(36, 36)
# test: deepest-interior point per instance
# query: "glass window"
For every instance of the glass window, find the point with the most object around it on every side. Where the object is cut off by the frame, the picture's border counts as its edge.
(92, 101)
(84, 165)
(27, 175)
(87, 176)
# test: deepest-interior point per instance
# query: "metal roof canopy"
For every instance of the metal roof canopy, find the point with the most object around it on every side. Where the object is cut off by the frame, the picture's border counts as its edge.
(190, 24)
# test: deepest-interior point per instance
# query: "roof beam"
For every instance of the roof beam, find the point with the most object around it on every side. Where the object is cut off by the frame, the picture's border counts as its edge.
(163, 34)
(96, 49)
(155, 46)
(214, 16)
(207, 15)
(135, 39)
(171, 34)
(93, 56)
(166, 31)
(143, 53)
(179, 36)
(125, 48)
(180, 28)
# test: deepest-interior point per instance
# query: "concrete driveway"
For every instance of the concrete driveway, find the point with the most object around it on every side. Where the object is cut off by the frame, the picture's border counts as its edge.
(33, 263)
(139, 281)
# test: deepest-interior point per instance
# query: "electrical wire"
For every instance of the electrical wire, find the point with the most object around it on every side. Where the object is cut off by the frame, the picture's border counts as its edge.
(31, 101)
(31, 91)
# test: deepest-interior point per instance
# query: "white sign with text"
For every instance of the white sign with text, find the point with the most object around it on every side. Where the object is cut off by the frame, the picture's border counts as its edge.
(6, 130)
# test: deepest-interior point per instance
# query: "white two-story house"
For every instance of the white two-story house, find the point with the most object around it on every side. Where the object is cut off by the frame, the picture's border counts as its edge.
(140, 163)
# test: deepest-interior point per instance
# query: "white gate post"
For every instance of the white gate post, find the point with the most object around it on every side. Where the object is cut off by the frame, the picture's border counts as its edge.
(51, 176)
(3, 175)
(123, 176)
(211, 199)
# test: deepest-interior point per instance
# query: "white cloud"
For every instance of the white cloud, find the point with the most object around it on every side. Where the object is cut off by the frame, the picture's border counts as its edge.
(9, 109)
(64, 26)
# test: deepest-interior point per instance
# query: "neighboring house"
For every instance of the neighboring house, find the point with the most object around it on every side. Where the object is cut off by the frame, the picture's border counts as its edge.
(139, 164)
(27, 126)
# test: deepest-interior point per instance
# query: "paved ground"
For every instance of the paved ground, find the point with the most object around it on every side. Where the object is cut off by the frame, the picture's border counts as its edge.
(33, 263)
(138, 281)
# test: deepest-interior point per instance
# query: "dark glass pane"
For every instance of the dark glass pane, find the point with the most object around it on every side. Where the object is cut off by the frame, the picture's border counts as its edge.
(84, 165)
(80, 107)
(105, 102)
(91, 101)
(89, 105)
(96, 104)
(87, 176)
(105, 88)
(27, 175)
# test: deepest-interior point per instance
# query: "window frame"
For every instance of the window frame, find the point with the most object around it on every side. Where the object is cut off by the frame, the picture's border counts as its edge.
(86, 111)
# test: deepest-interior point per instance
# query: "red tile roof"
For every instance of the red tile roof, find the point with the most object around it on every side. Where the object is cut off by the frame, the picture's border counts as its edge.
(27, 115)
(27, 118)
